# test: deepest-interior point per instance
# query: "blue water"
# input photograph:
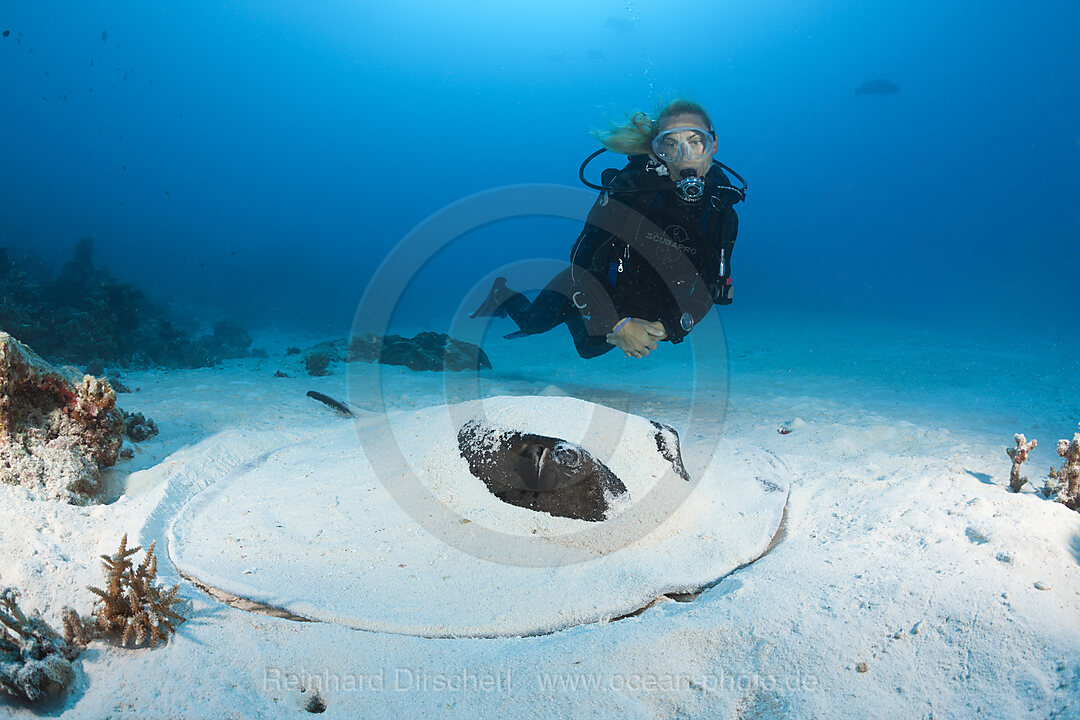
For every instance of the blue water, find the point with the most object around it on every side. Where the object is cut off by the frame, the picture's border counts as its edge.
(258, 160)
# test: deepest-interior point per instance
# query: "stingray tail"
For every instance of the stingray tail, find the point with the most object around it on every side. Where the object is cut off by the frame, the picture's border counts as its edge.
(330, 402)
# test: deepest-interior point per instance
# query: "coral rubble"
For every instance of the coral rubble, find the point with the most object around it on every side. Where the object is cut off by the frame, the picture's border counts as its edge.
(137, 427)
(1064, 484)
(131, 605)
(34, 660)
(1018, 455)
(56, 433)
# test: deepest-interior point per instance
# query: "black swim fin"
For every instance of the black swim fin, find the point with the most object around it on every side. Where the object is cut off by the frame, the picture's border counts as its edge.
(492, 305)
(516, 334)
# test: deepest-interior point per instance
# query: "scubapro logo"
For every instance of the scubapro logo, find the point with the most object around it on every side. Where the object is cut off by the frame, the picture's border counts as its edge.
(675, 240)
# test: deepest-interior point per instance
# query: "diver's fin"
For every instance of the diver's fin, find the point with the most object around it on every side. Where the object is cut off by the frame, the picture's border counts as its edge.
(492, 307)
(516, 334)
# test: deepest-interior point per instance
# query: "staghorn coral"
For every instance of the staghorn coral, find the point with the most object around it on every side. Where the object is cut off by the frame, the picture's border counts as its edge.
(56, 432)
(77, 631)
(1064, 485)
(1018, 455)
(131, 604)
(34, 660)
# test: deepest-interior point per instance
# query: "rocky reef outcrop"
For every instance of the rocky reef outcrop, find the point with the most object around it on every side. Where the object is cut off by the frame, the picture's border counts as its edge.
(57, 432)
(423, 351)
(86, 316)
(430, 351)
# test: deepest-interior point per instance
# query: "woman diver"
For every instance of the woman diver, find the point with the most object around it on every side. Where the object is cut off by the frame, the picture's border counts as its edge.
(655, 252)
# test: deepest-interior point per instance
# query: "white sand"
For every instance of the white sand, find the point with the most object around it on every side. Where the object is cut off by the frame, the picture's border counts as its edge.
(902, 549)
(312, 529)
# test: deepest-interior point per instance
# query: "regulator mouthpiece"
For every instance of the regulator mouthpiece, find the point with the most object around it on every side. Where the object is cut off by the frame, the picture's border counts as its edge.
(691, 188)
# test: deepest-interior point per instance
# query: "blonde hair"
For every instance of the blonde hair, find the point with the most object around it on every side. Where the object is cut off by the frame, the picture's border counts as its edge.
(635, 136)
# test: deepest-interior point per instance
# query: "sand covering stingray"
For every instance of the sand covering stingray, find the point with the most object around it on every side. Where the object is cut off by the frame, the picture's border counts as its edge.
(324, 530)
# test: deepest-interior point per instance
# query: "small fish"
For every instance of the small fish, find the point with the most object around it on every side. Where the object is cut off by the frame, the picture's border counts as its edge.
(104, 36)
(783, 430)
(6, 33)
(881, 86)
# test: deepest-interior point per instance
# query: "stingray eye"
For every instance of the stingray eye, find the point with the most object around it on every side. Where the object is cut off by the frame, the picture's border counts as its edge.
(567, 455)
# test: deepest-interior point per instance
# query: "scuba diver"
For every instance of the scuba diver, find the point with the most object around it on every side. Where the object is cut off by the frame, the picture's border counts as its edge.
(655, 253)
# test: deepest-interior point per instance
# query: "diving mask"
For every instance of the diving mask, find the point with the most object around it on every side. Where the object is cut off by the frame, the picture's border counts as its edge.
(683, 144)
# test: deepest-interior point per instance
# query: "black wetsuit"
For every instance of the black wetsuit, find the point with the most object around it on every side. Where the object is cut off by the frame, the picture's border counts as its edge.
(643, 253)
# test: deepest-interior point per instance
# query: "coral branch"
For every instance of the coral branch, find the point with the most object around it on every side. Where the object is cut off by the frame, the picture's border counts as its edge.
(77, 632)
(131, 605)
(1019, 454)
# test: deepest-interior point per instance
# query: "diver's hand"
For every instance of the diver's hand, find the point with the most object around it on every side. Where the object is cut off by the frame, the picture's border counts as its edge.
(637, 337)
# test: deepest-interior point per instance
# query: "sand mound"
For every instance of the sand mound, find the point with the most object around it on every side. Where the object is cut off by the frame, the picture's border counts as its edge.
(379, 525)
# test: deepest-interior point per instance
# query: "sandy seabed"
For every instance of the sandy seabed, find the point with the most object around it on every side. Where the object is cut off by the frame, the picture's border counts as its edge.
(907, 581)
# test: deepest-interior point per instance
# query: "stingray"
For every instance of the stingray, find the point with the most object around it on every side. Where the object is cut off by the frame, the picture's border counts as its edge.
(881, 86)
(550, 474)
(539, 472)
